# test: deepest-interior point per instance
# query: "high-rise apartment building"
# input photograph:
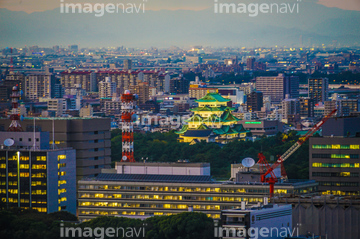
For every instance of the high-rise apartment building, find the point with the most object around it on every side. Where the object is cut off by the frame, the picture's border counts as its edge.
(344, 106)
(127, 64)
(290, 108)
(306, 107)
(142, 90)
(123, 79)
(318, 89)
(34, 176)
(254, 101)
(250, 64)
(39, 85)
(200, 92)
(87, 80)
(278, 86)
(107, 88)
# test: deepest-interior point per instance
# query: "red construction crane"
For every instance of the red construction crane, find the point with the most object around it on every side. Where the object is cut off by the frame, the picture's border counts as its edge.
(272, 179)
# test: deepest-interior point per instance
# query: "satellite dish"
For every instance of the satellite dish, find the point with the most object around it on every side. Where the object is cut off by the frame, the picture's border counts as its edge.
(134, 117)
(248, 162)
(124, 158)
(9, 142)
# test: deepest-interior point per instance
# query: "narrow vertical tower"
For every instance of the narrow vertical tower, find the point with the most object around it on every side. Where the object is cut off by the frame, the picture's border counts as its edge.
(15, 116)
(127, 111)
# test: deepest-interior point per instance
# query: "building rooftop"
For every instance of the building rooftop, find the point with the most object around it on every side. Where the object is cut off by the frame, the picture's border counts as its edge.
(153, 178)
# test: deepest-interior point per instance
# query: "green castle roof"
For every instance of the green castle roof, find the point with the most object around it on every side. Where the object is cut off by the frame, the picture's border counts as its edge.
(212, 97)
(183, 129)
(228, 117)
(208, 108)
(226, 129)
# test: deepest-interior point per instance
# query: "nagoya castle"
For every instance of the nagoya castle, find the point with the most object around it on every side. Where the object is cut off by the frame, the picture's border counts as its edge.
(212, 121)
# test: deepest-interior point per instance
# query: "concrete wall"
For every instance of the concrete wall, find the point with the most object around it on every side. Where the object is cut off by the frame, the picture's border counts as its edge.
(163, 168)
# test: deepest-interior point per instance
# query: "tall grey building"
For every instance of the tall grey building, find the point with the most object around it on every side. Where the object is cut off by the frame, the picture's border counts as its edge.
(278, 86)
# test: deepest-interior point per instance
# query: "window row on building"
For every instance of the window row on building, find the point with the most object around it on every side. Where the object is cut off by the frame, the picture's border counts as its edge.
(336, 156)
(335, 165)
(173, 197)
(331, 174)
(335, 146)
(340, 184)
(178, 189)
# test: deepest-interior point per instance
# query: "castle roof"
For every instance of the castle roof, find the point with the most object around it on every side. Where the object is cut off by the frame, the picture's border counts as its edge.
(212, 97)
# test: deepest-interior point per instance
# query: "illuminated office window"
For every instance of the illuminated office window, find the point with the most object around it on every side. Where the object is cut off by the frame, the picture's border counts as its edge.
(38, 166)
(61, 157)
(24, 166)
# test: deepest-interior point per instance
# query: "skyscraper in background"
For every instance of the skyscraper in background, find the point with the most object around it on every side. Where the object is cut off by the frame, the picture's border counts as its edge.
(318, 89)
(127, 64)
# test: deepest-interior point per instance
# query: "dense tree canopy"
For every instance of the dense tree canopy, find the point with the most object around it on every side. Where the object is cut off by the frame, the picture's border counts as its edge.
(163, 147)
(23, 224)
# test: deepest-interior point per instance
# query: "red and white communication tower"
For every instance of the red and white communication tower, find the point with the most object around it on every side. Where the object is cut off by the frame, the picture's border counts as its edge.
(15, 116)
(128, 104)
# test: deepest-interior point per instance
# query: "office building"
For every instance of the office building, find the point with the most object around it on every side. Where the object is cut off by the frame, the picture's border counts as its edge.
(262, 127)
(90, 137)
(120, 192)
(107, 88)
(39, 85)
(318, 89)
(276, 87)
(179, 85)
(334, 163)
(306, 107)
(254, 101)
(277, 219)
(57, 106)
(342, 127)
(34, 176)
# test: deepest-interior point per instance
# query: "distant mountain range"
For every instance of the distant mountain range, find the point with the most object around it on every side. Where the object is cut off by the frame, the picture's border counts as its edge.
(314, 24)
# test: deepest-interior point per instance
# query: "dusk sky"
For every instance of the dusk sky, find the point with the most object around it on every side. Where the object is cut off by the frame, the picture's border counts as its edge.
(30, 6)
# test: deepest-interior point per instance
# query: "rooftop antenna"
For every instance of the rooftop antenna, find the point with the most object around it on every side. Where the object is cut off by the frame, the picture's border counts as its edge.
(15, 117)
